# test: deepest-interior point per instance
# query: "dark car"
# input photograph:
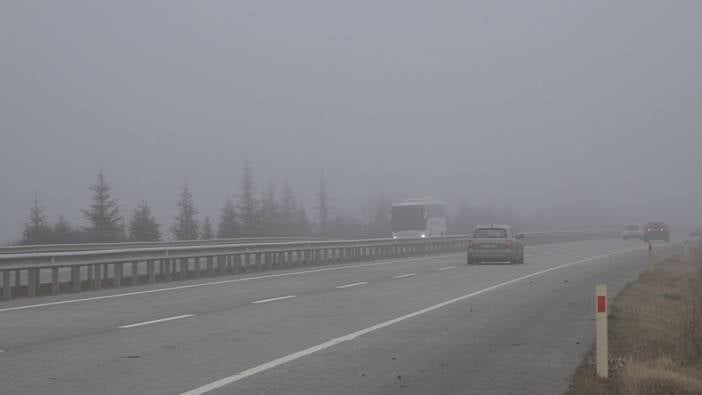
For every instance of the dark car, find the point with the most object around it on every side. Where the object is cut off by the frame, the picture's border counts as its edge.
(656, 231)
(495, 243)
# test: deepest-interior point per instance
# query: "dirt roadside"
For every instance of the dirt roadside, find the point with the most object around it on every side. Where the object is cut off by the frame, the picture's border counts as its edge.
(655, 334)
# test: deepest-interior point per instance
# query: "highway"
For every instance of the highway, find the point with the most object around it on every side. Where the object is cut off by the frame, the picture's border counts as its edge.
(410, 326)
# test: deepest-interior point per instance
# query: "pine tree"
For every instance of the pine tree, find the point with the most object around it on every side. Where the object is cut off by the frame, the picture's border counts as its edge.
(345, 226)
(249, 213)
(288, 208)
(63, 233)
(270, 215)
(186, 226)
(207, 233)
(143, 225)
(379, 225)
(228, 224)
(36, 228)
(302, 223)
(104, 214)
(323, 206)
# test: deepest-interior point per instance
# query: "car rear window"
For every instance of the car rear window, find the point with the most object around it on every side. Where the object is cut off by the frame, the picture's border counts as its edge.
(490, 233)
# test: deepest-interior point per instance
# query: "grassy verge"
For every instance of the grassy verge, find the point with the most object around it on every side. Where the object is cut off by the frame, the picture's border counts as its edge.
(655, 334)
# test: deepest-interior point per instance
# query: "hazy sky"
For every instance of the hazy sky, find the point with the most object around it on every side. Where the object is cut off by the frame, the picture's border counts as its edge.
(524, 102)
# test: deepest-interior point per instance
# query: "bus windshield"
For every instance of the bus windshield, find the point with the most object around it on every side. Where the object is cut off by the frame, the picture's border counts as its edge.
(408, 218)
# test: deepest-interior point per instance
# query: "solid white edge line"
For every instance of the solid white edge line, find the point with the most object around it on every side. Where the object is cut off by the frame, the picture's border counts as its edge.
(274, 299)
(441, 269)
(351, 336)
(236, 280)
(351, 285)
(406, 275)
(177, 317)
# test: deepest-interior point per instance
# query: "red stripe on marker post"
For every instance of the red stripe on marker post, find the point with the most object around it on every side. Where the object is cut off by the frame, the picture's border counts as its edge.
(601, 304)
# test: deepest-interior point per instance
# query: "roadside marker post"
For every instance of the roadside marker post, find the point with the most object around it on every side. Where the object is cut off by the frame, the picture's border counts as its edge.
(601, 346)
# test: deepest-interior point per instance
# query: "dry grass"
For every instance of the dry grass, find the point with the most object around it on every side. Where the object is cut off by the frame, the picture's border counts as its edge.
(655, 334)
(662, 376)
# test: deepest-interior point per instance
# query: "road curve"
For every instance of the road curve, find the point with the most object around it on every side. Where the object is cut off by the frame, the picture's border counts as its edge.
(413, 325)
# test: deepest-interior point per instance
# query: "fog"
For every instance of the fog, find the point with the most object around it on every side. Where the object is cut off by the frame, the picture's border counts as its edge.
(545, 106)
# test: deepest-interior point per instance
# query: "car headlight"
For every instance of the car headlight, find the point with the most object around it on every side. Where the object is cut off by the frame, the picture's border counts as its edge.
(423, 235)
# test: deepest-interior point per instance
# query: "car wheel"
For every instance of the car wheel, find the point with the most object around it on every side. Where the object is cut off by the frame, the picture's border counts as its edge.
(521, 259)
(470, 261)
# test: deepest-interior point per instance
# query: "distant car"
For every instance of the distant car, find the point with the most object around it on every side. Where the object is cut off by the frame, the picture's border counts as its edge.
(656, 231)
(495, 243)
(632, 231)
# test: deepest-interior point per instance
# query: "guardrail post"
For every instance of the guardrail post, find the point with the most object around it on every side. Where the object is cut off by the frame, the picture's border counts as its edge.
(210, 269)
(18, 280)
(166, 270)
(245, 262)
(220, 264)
(117, 268)
(268, 265)
(54, 281)
(150, 272)
(32, 282)
(97, 284)
(90, 273)
(259, 261)
(6, 290)
(237, 263)
(75, 278)
(135, 273)
(196, 274)
(183, 268)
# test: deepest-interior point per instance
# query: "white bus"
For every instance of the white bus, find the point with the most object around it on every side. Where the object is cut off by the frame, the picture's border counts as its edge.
(418, 218)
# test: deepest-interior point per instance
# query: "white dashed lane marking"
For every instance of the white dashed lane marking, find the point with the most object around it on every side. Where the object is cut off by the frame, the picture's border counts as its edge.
(352, 285)
(156, 321)
(274, 299)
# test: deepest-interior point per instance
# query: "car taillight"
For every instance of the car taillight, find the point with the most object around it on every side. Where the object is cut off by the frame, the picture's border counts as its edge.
(648, 230)
(509, 243)
(471, 244)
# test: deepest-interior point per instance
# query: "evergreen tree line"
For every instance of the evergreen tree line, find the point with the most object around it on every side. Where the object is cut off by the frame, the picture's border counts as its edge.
(248, 214)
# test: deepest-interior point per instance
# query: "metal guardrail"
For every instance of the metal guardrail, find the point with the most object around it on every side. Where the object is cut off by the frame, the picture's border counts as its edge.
(52, 273)
(25, 249)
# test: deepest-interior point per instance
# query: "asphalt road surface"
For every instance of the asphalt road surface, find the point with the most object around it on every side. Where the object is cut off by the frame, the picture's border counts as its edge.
(402, 326)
